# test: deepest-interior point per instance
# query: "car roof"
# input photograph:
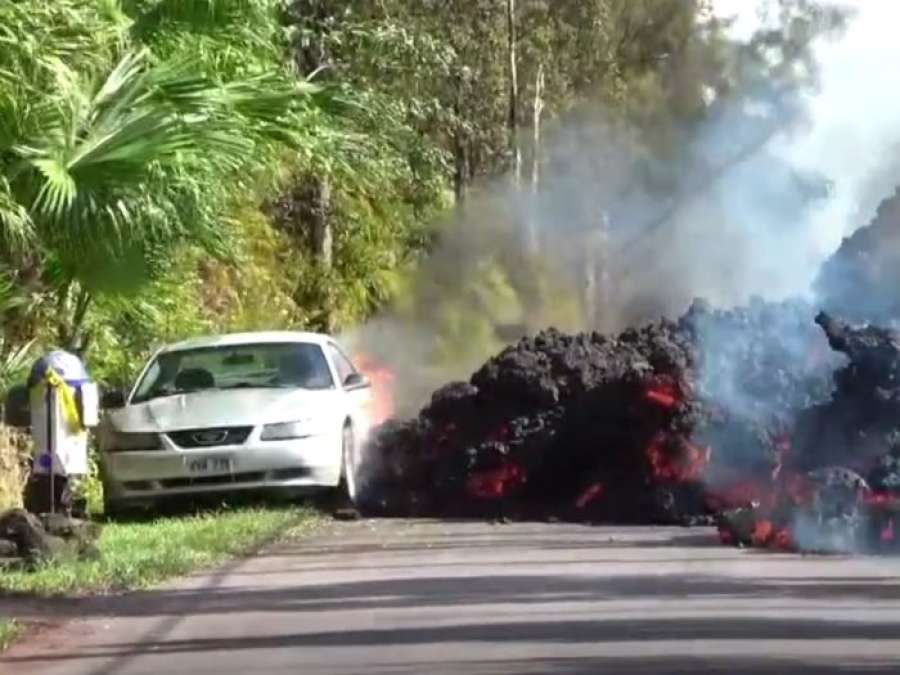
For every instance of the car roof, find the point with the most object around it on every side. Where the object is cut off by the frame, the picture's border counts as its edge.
(238, 339)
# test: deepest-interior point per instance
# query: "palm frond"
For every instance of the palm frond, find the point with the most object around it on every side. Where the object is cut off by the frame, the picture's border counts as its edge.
(14, 361)
(16, 228)
(199, 15)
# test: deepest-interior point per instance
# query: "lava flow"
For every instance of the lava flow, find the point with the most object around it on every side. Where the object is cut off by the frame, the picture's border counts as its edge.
(641, 428)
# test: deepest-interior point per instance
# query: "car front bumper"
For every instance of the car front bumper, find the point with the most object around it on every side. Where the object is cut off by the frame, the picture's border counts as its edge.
(311, 462)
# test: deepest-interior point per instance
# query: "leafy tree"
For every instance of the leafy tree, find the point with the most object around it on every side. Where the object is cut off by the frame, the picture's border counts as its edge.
(126, 157)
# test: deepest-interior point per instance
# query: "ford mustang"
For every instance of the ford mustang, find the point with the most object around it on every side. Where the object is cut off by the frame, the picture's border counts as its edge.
(250, 411)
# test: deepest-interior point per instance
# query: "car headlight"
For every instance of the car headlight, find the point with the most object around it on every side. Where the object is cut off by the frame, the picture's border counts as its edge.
(121, 441)
(287, 430)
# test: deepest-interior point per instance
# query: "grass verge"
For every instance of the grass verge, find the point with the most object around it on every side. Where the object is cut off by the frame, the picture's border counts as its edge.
(10, 629)
(139, 555)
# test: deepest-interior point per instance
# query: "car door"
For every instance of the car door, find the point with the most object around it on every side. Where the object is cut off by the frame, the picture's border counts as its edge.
(357, 394)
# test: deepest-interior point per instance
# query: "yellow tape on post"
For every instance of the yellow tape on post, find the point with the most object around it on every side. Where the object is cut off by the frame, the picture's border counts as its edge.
(66, 398)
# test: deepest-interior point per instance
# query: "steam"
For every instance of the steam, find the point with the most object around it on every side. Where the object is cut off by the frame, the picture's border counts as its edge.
(854, 126)
(623, 238)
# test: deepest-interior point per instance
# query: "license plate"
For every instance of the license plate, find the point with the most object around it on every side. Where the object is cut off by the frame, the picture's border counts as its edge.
(209, 465)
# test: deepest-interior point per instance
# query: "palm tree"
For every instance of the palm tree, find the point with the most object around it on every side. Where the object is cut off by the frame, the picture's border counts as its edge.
(115, 170)
(14, 357)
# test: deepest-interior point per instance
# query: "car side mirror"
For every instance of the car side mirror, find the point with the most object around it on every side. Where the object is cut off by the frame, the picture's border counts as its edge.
(17, 408)
(356, 381)
(112, 399)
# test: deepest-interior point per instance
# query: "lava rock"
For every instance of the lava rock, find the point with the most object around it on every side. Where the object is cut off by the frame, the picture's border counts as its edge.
(346, 514)
(608, 427)
(50, 536)
(26, 531)
(8, 549)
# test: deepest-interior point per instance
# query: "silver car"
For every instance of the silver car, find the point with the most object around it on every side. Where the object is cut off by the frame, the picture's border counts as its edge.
(236, 412)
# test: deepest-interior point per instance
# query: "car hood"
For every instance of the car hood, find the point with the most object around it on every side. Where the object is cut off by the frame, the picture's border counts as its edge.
(217, 408)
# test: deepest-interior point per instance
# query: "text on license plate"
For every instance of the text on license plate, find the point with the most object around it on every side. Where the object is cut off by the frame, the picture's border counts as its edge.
(209, 465)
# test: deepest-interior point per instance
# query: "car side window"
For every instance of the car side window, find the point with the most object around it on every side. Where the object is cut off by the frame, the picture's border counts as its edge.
(341, 362)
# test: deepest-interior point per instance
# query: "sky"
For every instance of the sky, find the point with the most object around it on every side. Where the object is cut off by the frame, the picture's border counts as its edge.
(855, 115)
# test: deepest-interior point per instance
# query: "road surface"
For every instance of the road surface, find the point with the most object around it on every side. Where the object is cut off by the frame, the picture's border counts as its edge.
(421, 597)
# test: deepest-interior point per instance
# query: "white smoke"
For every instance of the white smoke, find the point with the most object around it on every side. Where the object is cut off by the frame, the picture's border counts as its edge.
(750, 230)
(853, 127)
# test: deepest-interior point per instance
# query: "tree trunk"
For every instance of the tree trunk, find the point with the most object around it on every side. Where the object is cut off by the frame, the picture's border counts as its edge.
(321, 231)
(460, 170)
(538, 112)
(532, 236)
(513, 93)
(322, 236)
(72, 316)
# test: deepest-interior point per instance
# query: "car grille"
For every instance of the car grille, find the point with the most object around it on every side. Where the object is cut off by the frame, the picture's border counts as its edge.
(247, 477)
(223, 480)
(210, 438)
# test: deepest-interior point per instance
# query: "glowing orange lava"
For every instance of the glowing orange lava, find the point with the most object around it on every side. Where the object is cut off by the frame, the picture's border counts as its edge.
(667, 465)
(495, 483)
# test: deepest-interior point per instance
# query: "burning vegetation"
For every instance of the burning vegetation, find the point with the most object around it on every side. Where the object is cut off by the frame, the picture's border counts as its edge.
(737, 418)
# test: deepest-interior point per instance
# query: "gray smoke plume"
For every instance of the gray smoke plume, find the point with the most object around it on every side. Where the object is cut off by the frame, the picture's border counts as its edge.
(748, 205)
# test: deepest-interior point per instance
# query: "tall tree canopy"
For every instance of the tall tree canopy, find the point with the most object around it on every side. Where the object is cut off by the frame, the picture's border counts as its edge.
(176, 166)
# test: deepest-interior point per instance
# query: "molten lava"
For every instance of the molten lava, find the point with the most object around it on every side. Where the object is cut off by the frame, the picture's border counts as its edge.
(495, 483)
(540, 424)
(763, 531)
(663, 392)
(674, 460)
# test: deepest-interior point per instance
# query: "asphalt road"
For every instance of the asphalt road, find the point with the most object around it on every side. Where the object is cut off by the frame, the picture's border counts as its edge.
(419, 597)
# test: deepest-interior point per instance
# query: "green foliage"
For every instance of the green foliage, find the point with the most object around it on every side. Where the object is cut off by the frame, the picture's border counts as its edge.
(90, 486)
(127, 329)
(126, 133)
(15, 357)
(160, 159)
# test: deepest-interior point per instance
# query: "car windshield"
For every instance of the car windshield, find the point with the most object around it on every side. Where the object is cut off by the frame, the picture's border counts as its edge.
(264, 365)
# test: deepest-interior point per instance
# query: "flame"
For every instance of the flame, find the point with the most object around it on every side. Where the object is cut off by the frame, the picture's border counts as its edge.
(663, 398)
(686, 465)
(763, 531)
(380, 405)
(663, 391)
(495, 483)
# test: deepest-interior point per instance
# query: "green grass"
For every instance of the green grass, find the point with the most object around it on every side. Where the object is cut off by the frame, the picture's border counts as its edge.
(139, 555)
(10, 630)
